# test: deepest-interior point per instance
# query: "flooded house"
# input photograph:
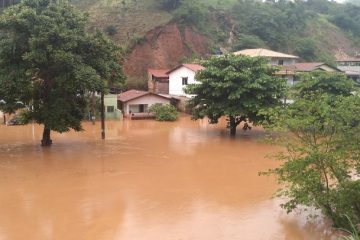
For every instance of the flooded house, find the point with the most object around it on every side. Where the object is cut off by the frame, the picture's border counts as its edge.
(136, 103)
(111, 110)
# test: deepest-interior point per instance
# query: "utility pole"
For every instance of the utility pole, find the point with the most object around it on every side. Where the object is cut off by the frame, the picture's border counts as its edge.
(102, 116)
(93, 108)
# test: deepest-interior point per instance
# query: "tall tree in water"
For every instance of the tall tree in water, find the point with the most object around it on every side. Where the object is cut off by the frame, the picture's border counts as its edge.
(49, 63)
(238, 87)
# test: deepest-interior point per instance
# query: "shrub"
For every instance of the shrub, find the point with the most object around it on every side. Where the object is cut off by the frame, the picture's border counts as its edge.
(164, 112)
(135, 83)
(248, 41)
(111, 30)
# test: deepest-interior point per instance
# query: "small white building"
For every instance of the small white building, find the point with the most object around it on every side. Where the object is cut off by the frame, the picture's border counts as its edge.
(181, 76)
(136, 102)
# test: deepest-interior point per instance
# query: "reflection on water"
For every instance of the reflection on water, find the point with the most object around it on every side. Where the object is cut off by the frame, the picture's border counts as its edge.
(148, 180)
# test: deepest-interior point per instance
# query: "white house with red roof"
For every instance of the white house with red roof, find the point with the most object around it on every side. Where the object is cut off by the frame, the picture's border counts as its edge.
(181, 76)
(136, 103)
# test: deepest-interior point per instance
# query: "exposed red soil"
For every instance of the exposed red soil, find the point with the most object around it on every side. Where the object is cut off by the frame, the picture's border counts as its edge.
(164, 48)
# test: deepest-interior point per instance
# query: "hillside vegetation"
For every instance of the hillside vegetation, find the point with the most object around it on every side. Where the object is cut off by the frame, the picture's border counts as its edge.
(316, 30)
(299, 27)
(130, 19)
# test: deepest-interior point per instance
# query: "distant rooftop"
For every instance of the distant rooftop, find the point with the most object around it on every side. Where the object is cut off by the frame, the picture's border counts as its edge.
(133, 94)
(307, 67)
(261, 52)
(193, 67)
(159, 73)
(349, 59)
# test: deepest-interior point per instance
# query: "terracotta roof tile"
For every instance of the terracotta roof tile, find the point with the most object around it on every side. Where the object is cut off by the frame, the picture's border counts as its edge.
(193, 67)
(131, 94)
(159, 73)
(305, 67)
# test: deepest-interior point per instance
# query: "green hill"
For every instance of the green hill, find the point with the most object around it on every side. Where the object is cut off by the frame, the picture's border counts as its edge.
(302, 27)
(316, 30)
(130, 18)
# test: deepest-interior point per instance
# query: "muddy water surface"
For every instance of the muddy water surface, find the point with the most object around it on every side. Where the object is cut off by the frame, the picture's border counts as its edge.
(148, 181)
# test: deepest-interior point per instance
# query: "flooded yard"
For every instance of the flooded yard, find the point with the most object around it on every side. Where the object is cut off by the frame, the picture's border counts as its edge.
(148, 181)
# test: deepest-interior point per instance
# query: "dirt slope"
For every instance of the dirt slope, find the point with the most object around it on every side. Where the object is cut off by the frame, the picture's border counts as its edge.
(164, 47)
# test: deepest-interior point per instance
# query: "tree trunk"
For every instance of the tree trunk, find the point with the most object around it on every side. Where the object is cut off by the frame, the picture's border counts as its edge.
(232, 125)
(46, 140)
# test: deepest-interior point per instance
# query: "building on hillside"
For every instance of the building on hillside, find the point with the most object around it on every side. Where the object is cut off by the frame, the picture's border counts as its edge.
(275, 58)
(181, 76)
(291, 72)
(136, 103)
(158, 81)
(351, 67)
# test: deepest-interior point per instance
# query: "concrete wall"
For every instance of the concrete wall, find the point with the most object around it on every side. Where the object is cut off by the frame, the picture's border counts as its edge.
(148, 100)
(158, 85)
(287, 61)
(175, 81)
(349, 68)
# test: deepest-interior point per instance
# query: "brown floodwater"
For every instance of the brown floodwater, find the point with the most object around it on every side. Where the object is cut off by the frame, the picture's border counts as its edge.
(148, 180)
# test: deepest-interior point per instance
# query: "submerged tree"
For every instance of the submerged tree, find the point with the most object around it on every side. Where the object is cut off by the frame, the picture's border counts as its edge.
(321, 133)
(237, 87)
(49, 63)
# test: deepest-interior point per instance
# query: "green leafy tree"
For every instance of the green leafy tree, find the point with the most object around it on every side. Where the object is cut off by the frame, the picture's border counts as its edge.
(237, 87)
(321, 134)
(322, 82)
(169, 4)
(49, 63)
(111, 30)
(306, 48)
(248, 41)
(191, 12)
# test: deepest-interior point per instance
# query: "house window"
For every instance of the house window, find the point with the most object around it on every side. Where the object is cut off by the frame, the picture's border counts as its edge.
(110, 109)
(281, 62)
(184, 81)
(143, 108)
